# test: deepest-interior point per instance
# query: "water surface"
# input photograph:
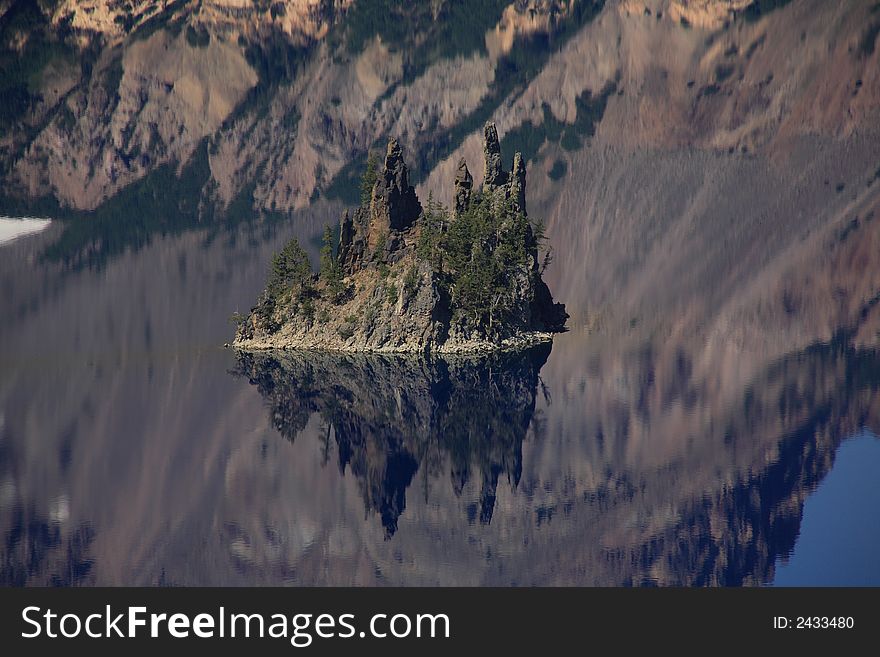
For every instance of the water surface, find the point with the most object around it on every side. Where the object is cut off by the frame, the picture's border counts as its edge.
(135, 449)
(838, 524)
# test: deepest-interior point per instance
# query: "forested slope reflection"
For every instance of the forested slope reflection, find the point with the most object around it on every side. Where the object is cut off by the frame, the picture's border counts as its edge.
(389, 416)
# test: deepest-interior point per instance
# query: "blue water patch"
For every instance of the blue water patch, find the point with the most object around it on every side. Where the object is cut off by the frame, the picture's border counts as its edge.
(840, 533)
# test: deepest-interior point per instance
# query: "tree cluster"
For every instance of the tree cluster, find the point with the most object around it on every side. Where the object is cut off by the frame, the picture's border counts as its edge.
(290, 278)
(330, 272)
(485, 256)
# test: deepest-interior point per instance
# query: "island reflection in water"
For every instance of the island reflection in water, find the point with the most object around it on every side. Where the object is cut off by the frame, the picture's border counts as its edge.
(390, 416)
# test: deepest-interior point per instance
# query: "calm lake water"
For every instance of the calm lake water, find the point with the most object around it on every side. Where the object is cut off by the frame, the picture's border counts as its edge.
(135, 449)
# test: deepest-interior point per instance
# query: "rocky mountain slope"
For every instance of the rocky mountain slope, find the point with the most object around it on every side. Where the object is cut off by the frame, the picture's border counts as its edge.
(293, 90)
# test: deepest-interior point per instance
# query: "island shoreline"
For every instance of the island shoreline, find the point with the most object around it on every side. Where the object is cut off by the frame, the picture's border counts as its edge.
(520, 342)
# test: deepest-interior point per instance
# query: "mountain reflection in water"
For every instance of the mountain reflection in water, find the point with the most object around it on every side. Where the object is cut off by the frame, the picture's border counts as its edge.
(495, 472)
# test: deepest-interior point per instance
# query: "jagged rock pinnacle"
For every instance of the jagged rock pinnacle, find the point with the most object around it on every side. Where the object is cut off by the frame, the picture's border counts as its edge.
(395, 205)
(393, 156)
(463, 184)
(346, 253)
(493, 172)
(497, 182)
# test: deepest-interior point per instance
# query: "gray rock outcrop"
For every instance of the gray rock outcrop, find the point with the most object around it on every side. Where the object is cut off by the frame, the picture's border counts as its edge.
(493, 171)
(464, 182)
(394, 205)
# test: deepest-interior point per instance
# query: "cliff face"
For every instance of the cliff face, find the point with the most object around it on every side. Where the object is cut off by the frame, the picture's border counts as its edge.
(407, 279)
(308, 86)
(300, 20)
(315, 84)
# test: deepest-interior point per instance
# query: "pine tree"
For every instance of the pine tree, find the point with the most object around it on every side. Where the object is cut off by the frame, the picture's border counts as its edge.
(330, 272)
(434, 224)
(290, 274)
(291, 269)
(328, 263)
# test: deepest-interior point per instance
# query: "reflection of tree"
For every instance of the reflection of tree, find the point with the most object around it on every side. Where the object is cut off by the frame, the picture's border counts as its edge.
(390, 415)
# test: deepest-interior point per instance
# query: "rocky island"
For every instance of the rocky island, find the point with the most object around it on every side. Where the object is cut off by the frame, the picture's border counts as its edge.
(408, 278)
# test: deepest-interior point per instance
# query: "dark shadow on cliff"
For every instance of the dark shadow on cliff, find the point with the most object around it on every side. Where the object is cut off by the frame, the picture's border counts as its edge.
(390, 416)
(459, 29)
